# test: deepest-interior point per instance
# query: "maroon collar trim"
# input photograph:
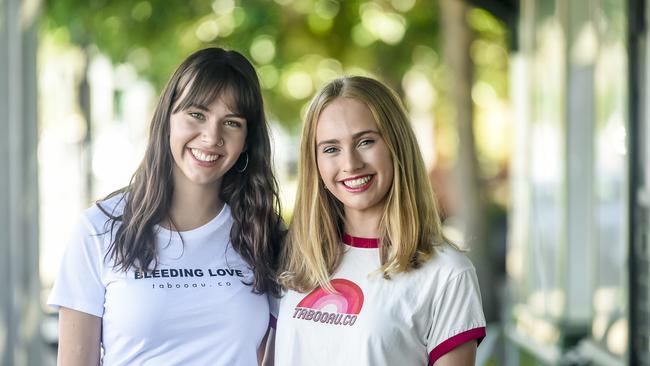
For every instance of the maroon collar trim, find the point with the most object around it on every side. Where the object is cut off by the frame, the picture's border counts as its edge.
(356, 242)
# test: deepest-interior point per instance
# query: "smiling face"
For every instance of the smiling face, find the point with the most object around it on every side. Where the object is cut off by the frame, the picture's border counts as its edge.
(206, 141)
(353, 160)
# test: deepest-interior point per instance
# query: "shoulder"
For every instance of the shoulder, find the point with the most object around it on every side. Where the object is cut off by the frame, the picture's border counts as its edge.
(446, 263)
(90, 236)
(101, 212)
(450, 257)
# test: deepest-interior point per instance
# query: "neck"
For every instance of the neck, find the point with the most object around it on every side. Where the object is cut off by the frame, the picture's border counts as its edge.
(193, 206)
(362, 224)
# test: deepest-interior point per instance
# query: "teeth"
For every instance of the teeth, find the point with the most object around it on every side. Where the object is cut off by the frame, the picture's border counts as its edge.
(204, 157)
(356, 183)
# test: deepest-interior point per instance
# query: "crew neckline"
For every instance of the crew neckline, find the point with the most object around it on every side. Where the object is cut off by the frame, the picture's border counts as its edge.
(200, 231)
(358, 242)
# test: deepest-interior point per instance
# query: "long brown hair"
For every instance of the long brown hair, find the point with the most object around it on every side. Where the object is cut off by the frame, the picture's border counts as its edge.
(410, 223)
(257, 231)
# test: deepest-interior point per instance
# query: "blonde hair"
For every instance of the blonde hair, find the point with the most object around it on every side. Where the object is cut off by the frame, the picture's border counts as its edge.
(410, 224)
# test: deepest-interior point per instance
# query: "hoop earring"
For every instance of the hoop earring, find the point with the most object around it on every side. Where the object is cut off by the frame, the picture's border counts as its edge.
(245, 165)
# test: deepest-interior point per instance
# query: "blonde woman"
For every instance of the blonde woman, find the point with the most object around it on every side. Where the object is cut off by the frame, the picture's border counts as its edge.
(370, 278)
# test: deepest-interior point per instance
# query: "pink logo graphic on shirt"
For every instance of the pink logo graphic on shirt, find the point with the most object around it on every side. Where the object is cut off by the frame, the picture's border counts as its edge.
(347, 299)
(339, 308)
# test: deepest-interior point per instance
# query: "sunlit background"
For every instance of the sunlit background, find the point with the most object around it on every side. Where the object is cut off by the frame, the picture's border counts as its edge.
(521, 109)
(97, 87)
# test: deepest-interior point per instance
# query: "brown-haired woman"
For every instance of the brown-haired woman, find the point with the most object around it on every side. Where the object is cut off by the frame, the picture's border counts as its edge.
(174, 268)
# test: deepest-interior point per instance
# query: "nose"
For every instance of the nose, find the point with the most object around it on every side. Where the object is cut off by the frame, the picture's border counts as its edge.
(211, 135)
(352, 161)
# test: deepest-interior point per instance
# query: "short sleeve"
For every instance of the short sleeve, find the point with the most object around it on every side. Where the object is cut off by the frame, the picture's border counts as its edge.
(457, 315)
(79, 284)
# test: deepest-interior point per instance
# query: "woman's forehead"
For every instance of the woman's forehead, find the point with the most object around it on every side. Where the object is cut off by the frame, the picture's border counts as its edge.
(345, 116)
(203, 95)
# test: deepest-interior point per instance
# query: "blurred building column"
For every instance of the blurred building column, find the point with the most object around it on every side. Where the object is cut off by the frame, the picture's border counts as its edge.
(20, 313)
(639, 166)
(567, 259)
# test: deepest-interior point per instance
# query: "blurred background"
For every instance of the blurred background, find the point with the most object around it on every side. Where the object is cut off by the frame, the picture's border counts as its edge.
(531, 116)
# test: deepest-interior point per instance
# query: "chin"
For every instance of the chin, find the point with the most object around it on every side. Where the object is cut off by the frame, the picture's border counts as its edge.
(359, 206)
(204, 181)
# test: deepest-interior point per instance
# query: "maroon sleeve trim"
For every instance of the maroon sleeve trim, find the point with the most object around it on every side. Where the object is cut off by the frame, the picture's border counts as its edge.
(272, 321)
(455, 341)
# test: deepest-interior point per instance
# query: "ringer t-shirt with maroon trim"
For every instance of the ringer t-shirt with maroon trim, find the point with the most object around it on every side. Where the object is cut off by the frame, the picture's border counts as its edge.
(413, 318)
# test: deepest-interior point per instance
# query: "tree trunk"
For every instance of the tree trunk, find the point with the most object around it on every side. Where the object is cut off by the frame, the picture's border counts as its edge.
(470, 208)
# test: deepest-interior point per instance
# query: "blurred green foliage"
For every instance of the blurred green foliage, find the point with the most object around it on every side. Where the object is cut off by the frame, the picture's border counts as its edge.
(286, 40)
(296, 45)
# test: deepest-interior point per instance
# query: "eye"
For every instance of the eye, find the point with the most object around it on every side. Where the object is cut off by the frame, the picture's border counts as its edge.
(330, 150)
(232, 123)
(366, 142)
(197, 115)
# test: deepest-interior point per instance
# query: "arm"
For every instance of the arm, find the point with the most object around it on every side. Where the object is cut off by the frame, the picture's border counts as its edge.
(463, 355)
(79, 338)
(458, 312)
(269, 352)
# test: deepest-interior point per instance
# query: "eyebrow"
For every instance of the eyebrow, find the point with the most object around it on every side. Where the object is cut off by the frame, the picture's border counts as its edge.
(354, 137)
(206, 109)
(234, 115)
(197, 106)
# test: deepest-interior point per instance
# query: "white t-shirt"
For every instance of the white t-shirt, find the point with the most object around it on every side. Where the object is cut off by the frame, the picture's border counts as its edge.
(193, 309)
(411, 319)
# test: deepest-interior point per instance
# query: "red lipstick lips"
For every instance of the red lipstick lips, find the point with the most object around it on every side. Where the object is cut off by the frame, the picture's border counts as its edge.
(358, 184)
